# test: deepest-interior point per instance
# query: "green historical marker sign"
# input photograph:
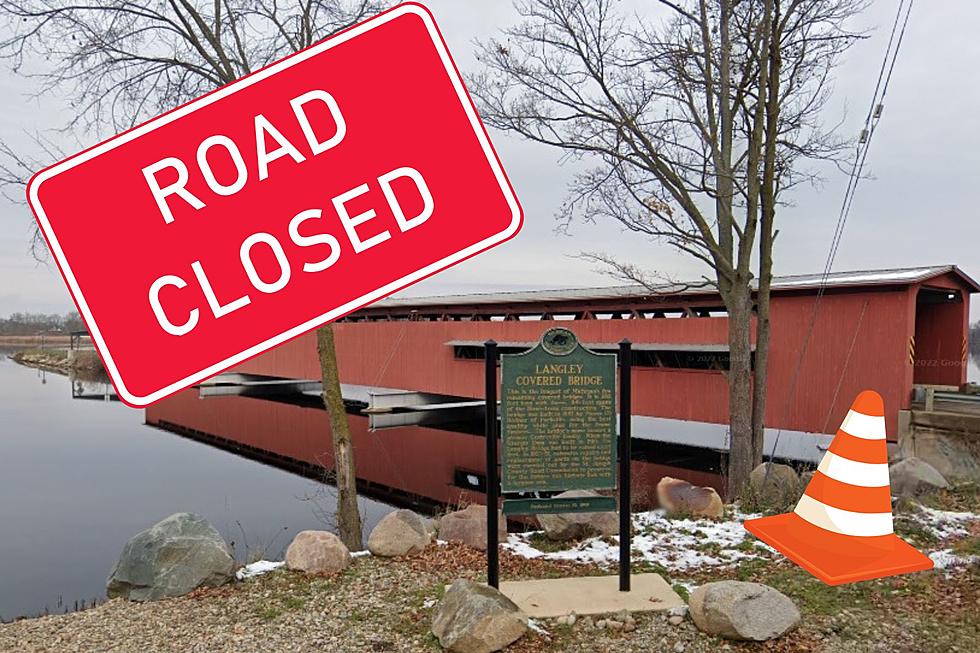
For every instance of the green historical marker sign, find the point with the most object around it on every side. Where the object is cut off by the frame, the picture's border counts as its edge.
(556, 505)
(558, 417)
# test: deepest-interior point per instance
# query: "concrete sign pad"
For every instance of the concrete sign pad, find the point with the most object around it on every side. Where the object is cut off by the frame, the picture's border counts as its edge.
(557, 597)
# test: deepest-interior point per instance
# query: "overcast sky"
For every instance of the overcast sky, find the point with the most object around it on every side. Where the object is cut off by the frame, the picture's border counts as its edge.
(920, 207)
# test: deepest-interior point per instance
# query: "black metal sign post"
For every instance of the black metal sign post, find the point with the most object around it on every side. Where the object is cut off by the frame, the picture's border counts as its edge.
(562, 337)
(625, 456)
(493, 483)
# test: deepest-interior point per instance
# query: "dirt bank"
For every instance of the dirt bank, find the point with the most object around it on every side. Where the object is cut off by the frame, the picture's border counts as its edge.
(85, 362)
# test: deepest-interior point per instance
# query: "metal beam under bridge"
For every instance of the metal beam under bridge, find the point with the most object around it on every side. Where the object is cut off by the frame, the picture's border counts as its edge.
(388, 408)
(385, 407)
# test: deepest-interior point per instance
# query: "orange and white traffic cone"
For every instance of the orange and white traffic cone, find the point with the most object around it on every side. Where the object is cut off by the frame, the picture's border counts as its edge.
(841, 530)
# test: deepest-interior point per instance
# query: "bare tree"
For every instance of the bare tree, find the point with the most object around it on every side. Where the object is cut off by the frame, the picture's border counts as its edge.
(695, 125)
(122, 62)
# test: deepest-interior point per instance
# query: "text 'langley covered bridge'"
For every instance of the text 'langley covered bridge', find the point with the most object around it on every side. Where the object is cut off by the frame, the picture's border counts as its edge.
(412, 374)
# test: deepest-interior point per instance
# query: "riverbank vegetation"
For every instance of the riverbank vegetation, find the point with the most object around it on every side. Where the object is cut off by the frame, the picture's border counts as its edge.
(85, 363)
(32, 324)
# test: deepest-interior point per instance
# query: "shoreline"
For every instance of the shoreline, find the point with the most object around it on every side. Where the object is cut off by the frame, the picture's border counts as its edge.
(83, 363)
(387, 604)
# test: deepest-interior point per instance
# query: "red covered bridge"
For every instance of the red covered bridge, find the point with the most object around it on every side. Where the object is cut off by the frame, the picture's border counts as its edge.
(417, 364)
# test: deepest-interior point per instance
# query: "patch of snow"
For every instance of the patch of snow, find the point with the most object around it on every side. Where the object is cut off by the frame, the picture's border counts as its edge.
(428, 603)
(536, 627)
(945, 523)
(360, 554)
(680, 545)
(946, 559)
(690, 587)
(675, 544)
(257, 569)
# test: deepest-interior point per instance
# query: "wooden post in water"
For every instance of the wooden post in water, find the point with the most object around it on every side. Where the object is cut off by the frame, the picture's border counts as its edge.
(493, 483)
(625, 456)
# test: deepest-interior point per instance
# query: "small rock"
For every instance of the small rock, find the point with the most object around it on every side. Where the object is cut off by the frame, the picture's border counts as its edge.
(742, 611)
(914, 477)
(474, 618)
(171, 558)
(317, 552)
(612, 624)
(679, 647)
(399, 533)
(469, 526)
(629, 626)
(588, 623)
(572, 618)
(600, 624)
(675, 620)
(780, 482)
(564, 527)
(677, 496)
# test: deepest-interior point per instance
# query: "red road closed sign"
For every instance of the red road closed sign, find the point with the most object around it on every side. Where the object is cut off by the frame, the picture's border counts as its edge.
(275, 204)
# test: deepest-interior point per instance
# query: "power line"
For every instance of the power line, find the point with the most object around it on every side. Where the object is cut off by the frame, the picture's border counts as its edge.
(864, 143)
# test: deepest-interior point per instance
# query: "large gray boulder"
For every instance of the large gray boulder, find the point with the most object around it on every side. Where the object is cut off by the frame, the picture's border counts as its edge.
(469, 526)
(474, 618)
(174, 557)
(317, 552)
(680, 497)
(914, 477)
(743, 611)
(948, 443)
(578, 525)
(399, 533)
(774, 482)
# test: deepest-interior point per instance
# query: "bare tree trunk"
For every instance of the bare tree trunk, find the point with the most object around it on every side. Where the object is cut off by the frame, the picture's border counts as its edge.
(348, 514)
(740, 460)
(762, 343)
(773, 63)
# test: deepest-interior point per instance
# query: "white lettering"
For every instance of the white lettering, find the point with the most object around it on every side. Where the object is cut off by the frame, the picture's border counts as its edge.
(245, 253)
(263, 158)
(176, 188)
(316, 146)
(161, 315)
(216, 308)
(309, 241)
(351, 223)
(236, 157)
(396, 209)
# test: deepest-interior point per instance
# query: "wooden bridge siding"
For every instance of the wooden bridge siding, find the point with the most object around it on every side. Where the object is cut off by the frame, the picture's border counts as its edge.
(415, 355)
(878, 360)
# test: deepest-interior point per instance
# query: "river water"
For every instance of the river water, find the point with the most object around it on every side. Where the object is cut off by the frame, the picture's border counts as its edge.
(78, 478)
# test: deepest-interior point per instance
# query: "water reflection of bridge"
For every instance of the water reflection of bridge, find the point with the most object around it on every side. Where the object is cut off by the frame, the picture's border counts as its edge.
(94, 386)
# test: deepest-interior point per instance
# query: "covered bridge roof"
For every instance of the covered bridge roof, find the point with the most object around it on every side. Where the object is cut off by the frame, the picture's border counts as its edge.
(858, 278)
